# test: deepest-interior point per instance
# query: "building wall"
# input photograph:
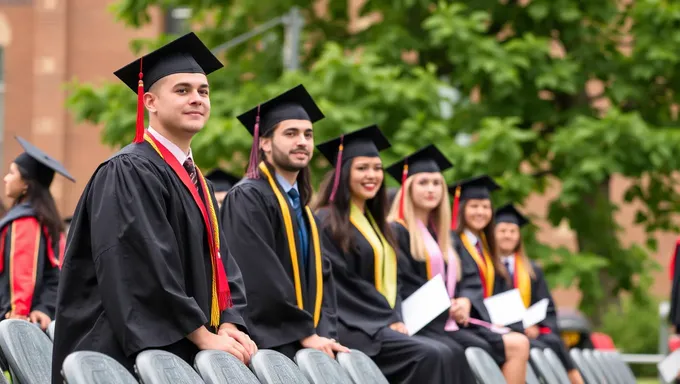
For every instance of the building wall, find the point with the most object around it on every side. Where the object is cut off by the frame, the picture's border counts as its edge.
(47, 43)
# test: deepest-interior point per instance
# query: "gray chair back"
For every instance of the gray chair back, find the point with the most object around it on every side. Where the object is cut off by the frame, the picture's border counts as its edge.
(50, 330)
(586, 373)
(557, 366)
(599, 373)
(320, 368)
(531, 375)
(621, 366)
(160, 367)
(272, 367)
(217, 367)
(483, 366)
(87, 367)
(542, 367)
(28, 351)
(360, 367)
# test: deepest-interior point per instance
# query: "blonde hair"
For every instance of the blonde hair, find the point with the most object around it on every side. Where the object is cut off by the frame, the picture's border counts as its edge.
(439, 216)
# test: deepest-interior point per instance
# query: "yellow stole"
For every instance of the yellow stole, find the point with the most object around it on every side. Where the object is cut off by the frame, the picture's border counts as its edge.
(522, 280)
(292, 249)
(487, 273)
(385, 264)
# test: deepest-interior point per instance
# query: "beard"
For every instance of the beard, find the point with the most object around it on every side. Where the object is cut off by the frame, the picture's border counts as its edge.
(282, 160)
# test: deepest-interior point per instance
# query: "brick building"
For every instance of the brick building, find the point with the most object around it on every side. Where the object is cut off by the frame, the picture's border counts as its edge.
(46, 43)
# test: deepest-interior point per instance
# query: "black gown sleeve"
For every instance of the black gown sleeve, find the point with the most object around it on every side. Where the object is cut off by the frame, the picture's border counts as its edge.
(47, 298)
(470, 285)
(136, 257)
(328, 323)
(674, 314)
(251, 239)
(539, 291)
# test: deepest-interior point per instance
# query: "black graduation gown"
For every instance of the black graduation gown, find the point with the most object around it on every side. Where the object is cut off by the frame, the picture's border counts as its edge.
(470, 286)
(29, 279)
(412, 276)
(364, 317)
(550, 333)
(137, 271)
(674, 314)
(257, 240)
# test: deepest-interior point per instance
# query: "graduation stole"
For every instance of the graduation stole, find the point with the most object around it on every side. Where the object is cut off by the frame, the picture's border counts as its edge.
(522, 280)
(221, 297)
(292, 249)
(484, 263)
(385, 264)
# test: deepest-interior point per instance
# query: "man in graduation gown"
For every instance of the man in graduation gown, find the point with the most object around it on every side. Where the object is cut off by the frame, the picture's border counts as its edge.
(147, 265)
(273, 235)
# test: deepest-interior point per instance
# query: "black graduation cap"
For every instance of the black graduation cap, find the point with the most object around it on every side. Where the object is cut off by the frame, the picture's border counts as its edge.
(509, 214)
(294, 104)
(367, 141)
(38, 165)
(479, 187)
(222, 180)
(427, 159)
(186, 54)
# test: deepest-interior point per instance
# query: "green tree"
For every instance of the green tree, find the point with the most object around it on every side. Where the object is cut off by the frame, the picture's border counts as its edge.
(520, 70)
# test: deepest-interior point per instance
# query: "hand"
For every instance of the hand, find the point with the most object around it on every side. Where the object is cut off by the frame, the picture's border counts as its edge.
(532, 332)
(323, 344)
(399, 327)
(14, 315)
(460, 310)
(204, 339)
(232, 331)
(40, 318)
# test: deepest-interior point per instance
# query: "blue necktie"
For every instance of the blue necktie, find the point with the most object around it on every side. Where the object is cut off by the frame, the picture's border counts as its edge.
(302, 228)
(507, 266)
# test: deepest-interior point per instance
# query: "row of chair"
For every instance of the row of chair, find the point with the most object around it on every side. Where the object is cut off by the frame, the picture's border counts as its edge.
(544, 367)
(27, 355)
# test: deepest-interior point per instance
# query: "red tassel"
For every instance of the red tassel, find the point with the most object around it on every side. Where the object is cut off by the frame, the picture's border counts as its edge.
(544, 330)
(454, 210)
(223, 291)
(671, 272)
(404, 176)
(338, 169)
(139, 128)
(253, 172)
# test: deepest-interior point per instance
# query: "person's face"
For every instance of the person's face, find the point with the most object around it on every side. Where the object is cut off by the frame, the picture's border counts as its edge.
(365, 177)
(507, 237)
(180, 102)
(478, 213)
(427, 190)
(15, 186)
(291, 145)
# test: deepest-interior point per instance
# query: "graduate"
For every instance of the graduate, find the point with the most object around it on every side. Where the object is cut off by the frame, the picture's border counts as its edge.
(147, 265)
(222, 181)
(526, 276)
(273, 234)
(351, 207)
(31, 238)
(420, 218)
(473, 239)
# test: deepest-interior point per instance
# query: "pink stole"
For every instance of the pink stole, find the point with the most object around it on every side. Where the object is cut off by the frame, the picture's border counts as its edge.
(438, 267)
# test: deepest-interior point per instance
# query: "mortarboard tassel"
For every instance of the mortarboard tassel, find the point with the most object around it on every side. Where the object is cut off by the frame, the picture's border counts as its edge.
(139, 128)
(253, 172)
(454, 210)
(404, 176)
(338, 169)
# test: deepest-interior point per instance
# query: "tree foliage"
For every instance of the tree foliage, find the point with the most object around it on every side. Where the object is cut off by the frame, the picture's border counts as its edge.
(518, 76)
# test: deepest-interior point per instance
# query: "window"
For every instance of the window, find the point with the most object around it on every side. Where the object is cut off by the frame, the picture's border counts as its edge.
(177, 20)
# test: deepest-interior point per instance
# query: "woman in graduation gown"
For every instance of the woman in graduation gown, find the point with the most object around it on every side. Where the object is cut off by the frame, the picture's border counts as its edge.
(528, 278)
(419, 214)
(32, 238)
(473, 239)
(357, 239)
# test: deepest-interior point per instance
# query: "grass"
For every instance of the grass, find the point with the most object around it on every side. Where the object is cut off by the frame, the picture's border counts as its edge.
(653, 380)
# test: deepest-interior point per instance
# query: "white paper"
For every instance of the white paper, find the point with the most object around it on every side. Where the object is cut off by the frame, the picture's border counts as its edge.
(425, 304)
(536, 313)
(505, 308)
(670, 366)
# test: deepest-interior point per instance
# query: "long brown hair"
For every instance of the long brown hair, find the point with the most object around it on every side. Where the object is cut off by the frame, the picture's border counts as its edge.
(338, 220)
(488, 231)
(304, 175)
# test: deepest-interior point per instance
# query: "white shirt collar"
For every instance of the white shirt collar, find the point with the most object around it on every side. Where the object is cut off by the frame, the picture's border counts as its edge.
(471, 236)
(510, 262)
(174, 149)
